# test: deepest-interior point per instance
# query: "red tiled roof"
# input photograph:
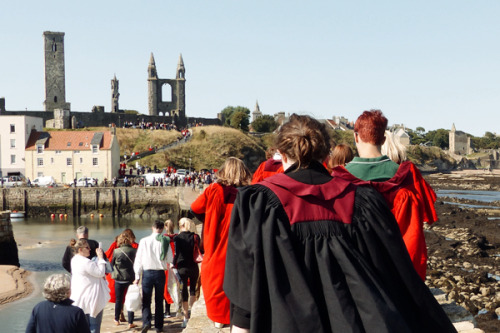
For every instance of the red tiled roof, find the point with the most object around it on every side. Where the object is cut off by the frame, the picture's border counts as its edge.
(68, 140)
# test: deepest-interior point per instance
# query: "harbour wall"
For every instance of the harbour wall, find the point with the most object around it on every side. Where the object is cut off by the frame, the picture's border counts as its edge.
(8, 247)
(143, 202)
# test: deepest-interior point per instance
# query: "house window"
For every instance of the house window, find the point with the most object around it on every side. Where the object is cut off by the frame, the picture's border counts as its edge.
(12, 128)
(95, 161)
(69, 161)
(77, 152)
(39, 174)
(39, 149)
(68, 144)
(51, 160)
(39, 161)
(12, 143)
(80, 144)
(12, 159)
(95, 149)
(58, 152)
(81, 160)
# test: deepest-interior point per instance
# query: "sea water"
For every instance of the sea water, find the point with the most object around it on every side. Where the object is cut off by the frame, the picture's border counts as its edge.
(45, 241)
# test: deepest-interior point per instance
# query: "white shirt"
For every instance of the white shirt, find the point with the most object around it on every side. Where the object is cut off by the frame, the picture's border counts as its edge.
(89, 289)
(148, 255)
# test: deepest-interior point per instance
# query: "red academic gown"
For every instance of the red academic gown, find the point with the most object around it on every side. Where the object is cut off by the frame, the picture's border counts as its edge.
(411, 200)
(216, 202)
(111, 282)
(267, 169)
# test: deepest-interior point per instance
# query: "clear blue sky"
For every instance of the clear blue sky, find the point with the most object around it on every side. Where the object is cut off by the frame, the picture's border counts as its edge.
(423, 63)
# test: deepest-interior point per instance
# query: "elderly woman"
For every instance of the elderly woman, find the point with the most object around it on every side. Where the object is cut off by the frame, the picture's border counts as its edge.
(213, 207)
(311, 253)
(56, 314)
(89, 289)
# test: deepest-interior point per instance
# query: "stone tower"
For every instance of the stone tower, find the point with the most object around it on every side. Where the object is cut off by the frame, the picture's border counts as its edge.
(173, 103)
(256, 113)
(55, 82)
(114, 95)
(459, 142)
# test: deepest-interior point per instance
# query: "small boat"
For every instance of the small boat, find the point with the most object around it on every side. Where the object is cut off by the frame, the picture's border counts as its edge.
(15, 214)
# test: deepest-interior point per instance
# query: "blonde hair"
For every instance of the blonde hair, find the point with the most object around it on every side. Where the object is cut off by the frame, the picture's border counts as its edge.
(123, 239)
(187, 224)
(80, 243)
(234, 173)
(393, 148)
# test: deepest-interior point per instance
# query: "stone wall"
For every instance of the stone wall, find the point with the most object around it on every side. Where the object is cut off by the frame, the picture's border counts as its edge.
(120, 201)
(8, 246)
(93, 119)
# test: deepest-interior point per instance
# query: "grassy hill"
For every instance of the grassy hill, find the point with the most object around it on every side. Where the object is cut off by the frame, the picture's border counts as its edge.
(208, 148)
(211, 145)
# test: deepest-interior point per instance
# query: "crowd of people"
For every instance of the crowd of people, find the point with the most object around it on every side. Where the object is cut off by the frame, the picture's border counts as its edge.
(316, 240)
(155, 125)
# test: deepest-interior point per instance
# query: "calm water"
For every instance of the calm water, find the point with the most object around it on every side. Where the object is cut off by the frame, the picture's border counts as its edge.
(44, 259)
(484, 196)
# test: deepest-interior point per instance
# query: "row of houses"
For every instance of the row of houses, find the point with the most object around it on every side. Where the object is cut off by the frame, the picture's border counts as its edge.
(28, 151)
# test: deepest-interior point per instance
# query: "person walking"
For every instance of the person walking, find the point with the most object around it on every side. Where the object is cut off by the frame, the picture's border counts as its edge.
(123, 274)
(185, 264)
(410, 198)
(311, 253)
(89, 289)
(152, 258)
(213, 207)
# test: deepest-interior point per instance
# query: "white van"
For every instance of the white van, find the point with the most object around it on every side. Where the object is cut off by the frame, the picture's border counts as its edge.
(44, 181)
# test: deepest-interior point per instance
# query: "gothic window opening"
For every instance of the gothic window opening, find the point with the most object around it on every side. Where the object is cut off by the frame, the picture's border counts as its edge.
(166, 93)
(55, 99)
(54, 45)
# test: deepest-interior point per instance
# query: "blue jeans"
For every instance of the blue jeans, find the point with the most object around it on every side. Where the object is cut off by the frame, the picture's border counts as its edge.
(153, 279)
(95, 323)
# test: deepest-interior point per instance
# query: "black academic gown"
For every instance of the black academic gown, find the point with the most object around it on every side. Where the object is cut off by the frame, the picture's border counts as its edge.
(308, 253)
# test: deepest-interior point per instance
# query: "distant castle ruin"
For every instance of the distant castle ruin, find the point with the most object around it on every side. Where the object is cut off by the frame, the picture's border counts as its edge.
(459, 142)
(173, 104)
(55, 78)
(165, 106)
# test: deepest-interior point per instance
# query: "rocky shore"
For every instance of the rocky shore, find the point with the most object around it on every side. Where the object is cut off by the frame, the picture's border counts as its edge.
(464, 248)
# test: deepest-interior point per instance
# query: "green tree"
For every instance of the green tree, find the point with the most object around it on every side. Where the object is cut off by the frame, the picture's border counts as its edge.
(240, 120)
(264, 124)
(439, 138)
(229, 111)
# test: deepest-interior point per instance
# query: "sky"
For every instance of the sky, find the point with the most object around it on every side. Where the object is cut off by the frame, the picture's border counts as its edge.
(425, 64)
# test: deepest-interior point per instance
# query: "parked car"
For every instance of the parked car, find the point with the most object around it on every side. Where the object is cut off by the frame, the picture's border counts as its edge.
(13, 181)
(181, 173)
(84, 181)
(44, 181)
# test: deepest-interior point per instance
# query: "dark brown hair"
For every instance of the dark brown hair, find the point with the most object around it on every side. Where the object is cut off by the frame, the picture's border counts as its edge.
(303, 139)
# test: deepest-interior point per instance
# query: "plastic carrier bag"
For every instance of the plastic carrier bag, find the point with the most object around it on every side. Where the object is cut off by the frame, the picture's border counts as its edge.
(133, 299)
